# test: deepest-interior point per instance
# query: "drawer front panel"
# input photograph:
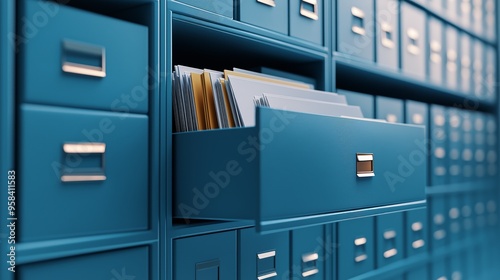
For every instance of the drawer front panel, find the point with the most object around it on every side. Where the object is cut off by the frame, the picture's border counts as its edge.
(390, 238)
(416, 232)
(120, 264)
(413, 37)
(206, 257)
(436, 51)
(102, 186)
(389, 109)
(438, 221)
(268, 14)
(80, 59)
(310, 250)
(221, 7)
(306, 20)
(387, 33)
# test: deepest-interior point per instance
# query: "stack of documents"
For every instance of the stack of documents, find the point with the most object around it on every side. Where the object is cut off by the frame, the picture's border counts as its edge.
(207, 99)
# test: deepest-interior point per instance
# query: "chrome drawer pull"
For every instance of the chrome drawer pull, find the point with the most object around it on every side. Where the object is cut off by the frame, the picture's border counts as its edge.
(389, 234)
(360, 258)
(364, 165)
(310, 272)
(83, 49)
(417, 226)
(309, 257)
(359, 15)
(418, 244)
(360, 241)
(390, 253)
(266, 255)
(85, 148)
(436, 52)
(270, 3)
(307, 13)
(386, 39)
(414, 36)
(267, 276)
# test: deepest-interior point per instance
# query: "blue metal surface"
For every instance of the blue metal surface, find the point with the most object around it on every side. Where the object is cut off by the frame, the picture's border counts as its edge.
(261, 14)
(206, 257)
(387, 41)
(389, 109)
(390, 238)
(365, 101)
(305, 243)
(125, 48)
(120, 203)
(416, 229)
(413, 49)
(304, 27)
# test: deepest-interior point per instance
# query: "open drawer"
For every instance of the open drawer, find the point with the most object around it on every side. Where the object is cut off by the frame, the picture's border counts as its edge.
(295, 169)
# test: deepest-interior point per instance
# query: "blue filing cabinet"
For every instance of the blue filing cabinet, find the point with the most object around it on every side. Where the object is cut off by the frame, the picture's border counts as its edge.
(104, 183)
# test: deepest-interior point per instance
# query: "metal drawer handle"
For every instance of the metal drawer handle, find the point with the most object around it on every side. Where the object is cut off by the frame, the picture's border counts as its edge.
(270, 3)
(85, 148)
(359, 15)
(267, 276)
(417, 226)
(360, 258)
(413, 46)
(364, 165)
(436, 52)
(451, 64)
(266, 255)
(418, 244)
(360, 241)
(390, 234)
(306, 258)
(390, 253)
(83, 49)
(387, 40)
(308, 13)
(439, 234)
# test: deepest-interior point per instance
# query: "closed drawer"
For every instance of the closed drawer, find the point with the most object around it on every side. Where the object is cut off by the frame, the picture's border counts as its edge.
(356, 247)
(366, 102)
(388, 33)
(416, 232)
(465, 64)
(439, 270)
(355, 28)
(80, 59)
(438, 136)
(120, 264)
(413, 38)
(268, 14)
(84, 166)
(478, 69)
(418, 273)
(236, 180)
(263, 256)
(215, 261)
(454, 145)
(451, 57)
(436, 50)
(416, 113)
(436, 5)
(390, 238)
(457, 265)
(221, 7)
(311, 248)
(490, 74)
(455, 219)
(438, 222)
(389, 109)
(307, 20)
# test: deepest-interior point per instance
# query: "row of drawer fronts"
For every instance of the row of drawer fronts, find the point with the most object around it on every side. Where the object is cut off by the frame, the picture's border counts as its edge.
(311, 248)
(446, 64)
(76, 159)
(79, 59)
(275, 170)
(460, 217)
(304, 19)
(132, 263)
(453, 158)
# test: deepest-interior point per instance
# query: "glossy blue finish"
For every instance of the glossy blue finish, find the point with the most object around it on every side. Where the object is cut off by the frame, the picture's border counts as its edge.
(206, 257)
(438, 222)
(361, 44)
(418, 273)
(454, 145)
(480, 150)
(307, 242)
(438, 146)
(365, 101)
(304, 27)
(439, 268)
(416, 113)
(413, 49)
(220, 7)
(390, 238)
(490, 74)
(130, 263)
(265, 16)
(436, 50)
(478, 68)
(120, 203)
(389, 109)
(457, 266)
(387, 24)
(468, 135)
(416, 229)
(251, 244)
(355, 259)
(259, 178)
(125, 87)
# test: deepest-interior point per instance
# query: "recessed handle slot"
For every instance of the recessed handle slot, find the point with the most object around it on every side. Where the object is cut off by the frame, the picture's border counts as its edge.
(364, 165)
(412, 47)
(266, 265)
(83, 59)
(358, 21)
(309, 266)
(436, 52)
(270, 3)
(387, 39)
(83, 174)
(312, 12)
